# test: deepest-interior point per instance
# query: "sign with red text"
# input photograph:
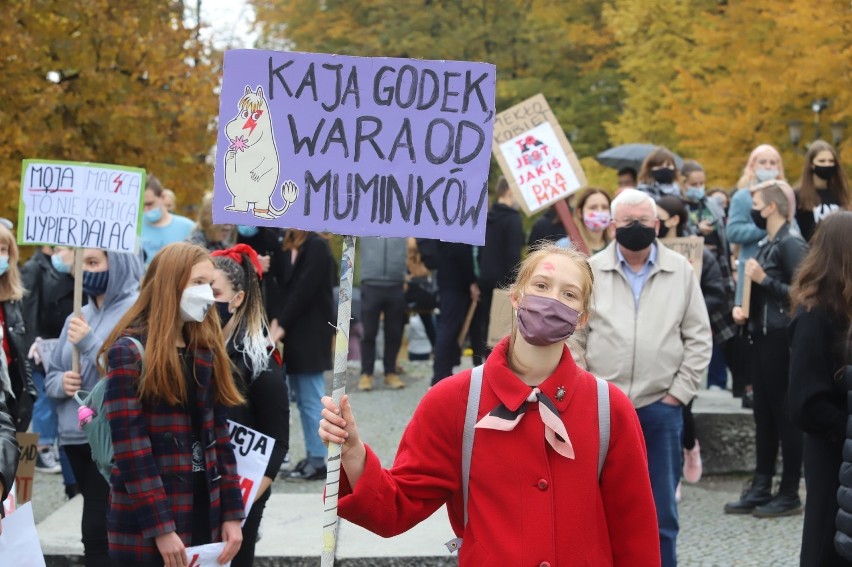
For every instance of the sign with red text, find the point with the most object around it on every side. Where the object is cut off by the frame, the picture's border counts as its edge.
(82, 205)
(206, 555)
(28, 442)
(535, 155)
(252, 450)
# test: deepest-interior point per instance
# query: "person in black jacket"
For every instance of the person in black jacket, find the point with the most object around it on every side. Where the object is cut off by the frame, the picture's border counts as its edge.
(49, 301)
(306, 275)
(822, 307)
(823, 188)
(498, 259)
(548, 227)
(457, 287)
(257, 370)
(9, 453)
(22, 394)
(843, 536)
(771, 272)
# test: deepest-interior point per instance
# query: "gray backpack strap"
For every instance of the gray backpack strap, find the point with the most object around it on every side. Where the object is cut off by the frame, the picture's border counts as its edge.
(467, 441)
(603, 423)
(137, 344)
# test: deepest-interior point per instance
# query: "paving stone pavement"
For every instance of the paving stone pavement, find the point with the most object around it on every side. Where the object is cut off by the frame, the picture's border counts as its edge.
(708, 537)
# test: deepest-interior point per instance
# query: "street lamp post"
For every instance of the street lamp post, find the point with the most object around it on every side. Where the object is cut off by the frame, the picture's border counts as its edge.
(796, 127)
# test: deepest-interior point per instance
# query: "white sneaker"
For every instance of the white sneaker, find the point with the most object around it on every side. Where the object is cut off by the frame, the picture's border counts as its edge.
(285, 464)
(46, 461)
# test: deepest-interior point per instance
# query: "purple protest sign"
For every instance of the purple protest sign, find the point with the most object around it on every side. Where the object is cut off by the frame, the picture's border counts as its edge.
(355, 145)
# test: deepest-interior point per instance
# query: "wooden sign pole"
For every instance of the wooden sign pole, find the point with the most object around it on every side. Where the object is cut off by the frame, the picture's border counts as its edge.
(78, 302)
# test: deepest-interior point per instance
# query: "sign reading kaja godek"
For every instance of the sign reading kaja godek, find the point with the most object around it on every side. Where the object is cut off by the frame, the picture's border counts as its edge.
(535, 156)
(84, 205)
(355, 145)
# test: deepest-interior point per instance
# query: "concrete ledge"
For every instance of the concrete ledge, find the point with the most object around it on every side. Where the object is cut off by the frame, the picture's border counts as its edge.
(292, 536)
(725, 432)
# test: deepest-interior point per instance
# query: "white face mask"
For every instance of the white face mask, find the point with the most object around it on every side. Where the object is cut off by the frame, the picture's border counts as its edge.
(195, 302)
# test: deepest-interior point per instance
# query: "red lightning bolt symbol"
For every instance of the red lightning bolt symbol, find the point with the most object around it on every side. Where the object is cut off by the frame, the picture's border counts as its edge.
(118, 182)
(251, 123)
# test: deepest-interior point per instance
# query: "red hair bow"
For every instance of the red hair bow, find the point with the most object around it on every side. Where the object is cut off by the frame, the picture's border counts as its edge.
(236, 252)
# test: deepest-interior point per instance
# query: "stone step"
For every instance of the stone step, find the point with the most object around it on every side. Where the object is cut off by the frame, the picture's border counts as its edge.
(725, 432)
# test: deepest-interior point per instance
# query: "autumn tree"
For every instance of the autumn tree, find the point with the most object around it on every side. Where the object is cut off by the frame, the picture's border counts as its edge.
(106, 81)
(757, 66)
(546, 46)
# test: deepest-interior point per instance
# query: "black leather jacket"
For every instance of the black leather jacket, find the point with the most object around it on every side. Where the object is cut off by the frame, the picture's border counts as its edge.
(9, 453)
(20, 372)
(843, 536)
(770, 300)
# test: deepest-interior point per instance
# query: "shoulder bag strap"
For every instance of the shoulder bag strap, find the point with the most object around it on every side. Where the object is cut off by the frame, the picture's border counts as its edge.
(603, 423)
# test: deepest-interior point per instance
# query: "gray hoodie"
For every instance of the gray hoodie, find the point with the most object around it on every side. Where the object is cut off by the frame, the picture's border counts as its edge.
(383, 260)
(125, 271)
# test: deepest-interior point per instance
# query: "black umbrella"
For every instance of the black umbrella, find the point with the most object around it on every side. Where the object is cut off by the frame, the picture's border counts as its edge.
(630, 155)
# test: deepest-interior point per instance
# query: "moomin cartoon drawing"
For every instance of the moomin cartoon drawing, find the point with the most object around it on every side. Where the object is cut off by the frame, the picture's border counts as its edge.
(251, 162)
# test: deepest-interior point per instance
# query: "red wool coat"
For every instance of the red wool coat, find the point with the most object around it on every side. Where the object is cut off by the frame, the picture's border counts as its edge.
(528, 505)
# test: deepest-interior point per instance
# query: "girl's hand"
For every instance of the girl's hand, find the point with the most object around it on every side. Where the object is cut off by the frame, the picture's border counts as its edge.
(232, 535)
(71, 382)
(77, 330)
(338, 426)
(755, 271)
(739, 315)
(172, 549)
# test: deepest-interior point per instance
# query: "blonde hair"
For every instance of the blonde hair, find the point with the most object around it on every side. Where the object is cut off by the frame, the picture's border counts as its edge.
(204, 219)
(748, 177)
(539, 252)
(11, 288)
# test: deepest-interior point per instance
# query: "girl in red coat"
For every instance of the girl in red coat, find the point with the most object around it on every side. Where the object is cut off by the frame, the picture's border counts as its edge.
(174, 483)
(535, 497)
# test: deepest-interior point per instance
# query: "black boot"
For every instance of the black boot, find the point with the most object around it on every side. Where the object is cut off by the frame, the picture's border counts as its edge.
(758, 492)
(785, 503)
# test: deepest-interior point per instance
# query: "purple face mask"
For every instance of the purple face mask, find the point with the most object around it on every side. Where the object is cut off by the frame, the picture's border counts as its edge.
(543, 321)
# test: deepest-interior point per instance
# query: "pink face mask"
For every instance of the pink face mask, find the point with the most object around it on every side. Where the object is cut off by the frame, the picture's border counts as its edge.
(597, 220)
(543, 321)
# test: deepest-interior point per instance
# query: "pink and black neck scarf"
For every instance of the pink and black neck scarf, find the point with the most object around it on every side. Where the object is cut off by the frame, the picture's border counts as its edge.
(502, 418)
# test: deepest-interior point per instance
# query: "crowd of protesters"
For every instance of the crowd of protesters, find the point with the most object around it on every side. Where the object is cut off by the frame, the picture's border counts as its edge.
(227, 301)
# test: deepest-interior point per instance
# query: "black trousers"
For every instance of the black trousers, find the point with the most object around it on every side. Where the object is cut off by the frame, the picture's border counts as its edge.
(95, 492)
(376, 300)
(770, 372)
(454, 306)
(822, 465)
(479, 326)
(245, 557)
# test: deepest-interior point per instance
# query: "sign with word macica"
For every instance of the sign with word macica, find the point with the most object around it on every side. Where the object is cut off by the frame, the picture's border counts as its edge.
(82, 205)
(355, 145)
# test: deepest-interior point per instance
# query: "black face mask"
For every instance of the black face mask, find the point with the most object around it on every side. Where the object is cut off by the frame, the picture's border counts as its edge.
(635, 237)
(224, 314)
(664, 230)
(664, 175)
(758, 220)
(825, 172)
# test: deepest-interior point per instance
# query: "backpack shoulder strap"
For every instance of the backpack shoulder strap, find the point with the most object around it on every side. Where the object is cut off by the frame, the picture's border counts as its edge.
(467, 441)
(603, 423)
(469, 431)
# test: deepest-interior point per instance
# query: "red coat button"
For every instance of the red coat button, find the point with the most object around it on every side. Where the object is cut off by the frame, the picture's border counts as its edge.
(544, 564)
(542, 485)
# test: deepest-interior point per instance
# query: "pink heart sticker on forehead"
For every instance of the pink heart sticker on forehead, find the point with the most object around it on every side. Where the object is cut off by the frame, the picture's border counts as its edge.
(548, 266)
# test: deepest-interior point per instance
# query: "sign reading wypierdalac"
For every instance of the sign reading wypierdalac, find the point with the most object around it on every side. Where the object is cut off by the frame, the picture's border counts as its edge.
(535, 155)
(84, 205)
(355, 145)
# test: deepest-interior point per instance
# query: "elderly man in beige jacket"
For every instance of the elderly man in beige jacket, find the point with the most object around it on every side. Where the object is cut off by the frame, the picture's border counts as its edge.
(649, 333)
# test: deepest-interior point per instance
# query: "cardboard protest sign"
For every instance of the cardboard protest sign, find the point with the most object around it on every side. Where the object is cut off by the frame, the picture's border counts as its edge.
(745, 301)
(28, 442)
(252, 450)
(19, 544)
(500, 323)
(83, 205)
(535, 155)
(206, 555)
(355, 145)
(691, 247)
